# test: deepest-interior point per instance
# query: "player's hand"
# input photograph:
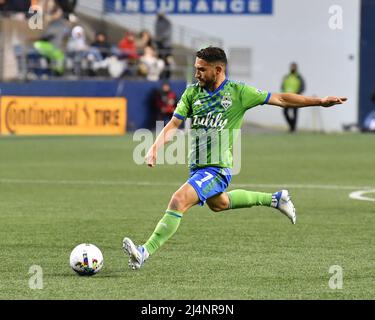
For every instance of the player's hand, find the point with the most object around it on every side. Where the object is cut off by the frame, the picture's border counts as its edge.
(151, 157)
(332, 101)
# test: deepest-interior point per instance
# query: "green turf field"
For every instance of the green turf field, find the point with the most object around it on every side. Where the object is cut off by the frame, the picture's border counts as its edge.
(57, 192)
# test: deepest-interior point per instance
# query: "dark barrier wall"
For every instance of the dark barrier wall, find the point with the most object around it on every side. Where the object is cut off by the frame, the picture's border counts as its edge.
(137, 93)
(367, 69)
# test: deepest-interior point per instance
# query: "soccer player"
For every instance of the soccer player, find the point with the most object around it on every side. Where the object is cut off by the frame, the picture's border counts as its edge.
(215, 103)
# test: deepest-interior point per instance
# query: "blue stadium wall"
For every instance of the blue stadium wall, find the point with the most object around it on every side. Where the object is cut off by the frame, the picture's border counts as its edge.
(137, 93)
(367, 66)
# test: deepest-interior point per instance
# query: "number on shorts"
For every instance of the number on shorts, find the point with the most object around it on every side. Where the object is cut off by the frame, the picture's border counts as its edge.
(206, 178)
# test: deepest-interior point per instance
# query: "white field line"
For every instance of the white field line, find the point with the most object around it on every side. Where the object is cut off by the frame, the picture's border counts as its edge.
(358, 195)
(159, 183)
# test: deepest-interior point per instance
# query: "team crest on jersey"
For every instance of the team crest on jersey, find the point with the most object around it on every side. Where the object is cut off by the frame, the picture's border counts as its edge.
(226, 101)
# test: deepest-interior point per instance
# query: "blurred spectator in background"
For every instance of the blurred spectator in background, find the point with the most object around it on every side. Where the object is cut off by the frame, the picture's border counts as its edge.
(129, 51)
(57, 28)
(77, 40)
(67, 6)
(150, 65)
(76, 52)
(99, 54)
(15, 5)
(46, 57)
(163, 35)
(55, 56)
(102, 45)
(163, 40)
(144, 40)
(164, 103)
(2, 5)
(128, 46)
(17, 9)
(293, 83)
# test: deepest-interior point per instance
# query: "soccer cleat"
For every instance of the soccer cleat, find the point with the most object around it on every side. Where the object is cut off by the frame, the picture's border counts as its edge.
(137, 256)
(281, 200)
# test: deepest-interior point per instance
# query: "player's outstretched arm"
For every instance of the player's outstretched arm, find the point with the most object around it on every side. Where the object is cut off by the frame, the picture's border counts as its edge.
(164, 137)
(291, 100)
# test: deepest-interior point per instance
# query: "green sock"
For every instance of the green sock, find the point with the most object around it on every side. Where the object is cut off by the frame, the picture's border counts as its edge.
(165, 229)
(246, 199)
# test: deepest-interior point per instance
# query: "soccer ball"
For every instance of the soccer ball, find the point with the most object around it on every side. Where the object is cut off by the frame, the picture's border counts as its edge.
(86, 259)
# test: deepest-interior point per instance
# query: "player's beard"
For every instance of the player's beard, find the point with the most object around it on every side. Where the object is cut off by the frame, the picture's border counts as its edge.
(208, 84)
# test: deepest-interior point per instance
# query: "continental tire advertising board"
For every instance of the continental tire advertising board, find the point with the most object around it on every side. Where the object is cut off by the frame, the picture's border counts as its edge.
(62, 116)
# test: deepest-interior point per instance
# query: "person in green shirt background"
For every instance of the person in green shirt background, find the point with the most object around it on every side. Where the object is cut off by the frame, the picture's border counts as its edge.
(292, 83)
(55, 56)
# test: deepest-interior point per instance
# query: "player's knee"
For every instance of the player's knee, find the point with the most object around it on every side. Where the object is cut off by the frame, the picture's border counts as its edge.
(215, 208)
(177, 202)
(218, 206)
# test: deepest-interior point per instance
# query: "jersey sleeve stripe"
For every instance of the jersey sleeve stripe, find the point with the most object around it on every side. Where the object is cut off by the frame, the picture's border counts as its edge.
(179, 116)
(268, 98)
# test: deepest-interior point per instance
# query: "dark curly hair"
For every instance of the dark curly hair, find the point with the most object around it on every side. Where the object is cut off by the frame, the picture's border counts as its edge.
(212, 54)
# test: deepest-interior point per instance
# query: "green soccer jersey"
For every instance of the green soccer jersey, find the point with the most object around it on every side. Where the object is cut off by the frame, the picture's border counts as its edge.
(216, 119)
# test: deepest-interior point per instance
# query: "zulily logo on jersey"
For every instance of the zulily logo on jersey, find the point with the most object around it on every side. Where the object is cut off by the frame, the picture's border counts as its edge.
(211, 121)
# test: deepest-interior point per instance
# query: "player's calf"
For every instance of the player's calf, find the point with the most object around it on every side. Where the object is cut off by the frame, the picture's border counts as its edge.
(219, 202)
